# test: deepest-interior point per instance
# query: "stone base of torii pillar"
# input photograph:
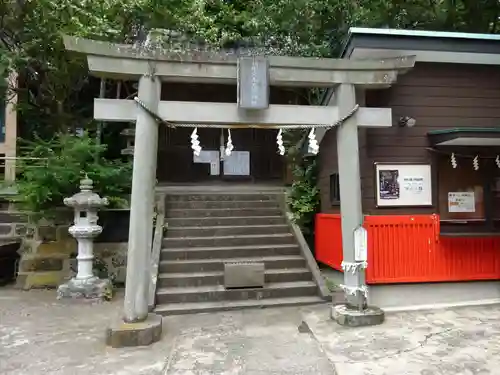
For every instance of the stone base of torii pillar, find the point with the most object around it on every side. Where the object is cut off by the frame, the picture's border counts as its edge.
(121, 334)
(353, 317)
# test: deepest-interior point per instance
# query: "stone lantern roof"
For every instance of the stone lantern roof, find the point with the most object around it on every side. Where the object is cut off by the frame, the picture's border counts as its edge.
(86, 198)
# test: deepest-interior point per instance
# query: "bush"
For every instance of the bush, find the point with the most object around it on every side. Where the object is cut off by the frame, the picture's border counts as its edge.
(49, 171)
(304, 198)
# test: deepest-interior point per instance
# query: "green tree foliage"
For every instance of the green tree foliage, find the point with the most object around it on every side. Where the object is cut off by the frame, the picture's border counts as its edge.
(304, 197)
(478, 16)
(51, 171)
(56, 94)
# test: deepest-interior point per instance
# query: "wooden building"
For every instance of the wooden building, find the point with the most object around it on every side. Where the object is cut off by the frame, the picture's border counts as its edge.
(431, 182)
(254, 158)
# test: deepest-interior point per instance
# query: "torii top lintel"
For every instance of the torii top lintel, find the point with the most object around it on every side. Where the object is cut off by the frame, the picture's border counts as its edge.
(125, 61)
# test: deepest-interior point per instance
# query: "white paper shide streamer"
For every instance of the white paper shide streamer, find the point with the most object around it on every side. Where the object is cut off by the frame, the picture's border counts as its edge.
(353, 291)
(229, 145)
(355, 267)
(475, 163)
(454, 161)
(313, 143)
(497, 161)
(279, 142)
(195, 143)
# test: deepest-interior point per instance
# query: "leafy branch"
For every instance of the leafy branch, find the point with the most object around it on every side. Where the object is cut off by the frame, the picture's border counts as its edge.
(50, 170)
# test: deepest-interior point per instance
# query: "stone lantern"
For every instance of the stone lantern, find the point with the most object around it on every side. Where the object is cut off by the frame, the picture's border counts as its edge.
(85, 284)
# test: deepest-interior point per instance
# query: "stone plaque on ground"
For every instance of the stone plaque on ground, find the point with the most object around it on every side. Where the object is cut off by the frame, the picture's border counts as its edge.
(243, 275)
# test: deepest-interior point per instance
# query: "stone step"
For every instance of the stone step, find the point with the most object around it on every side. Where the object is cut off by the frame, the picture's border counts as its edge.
(206, 307)
(219, 293)
(223, 212)
(241, 240)
(220, 204)
(202, 265)
(225, 230)
(229, 252)
(223, 196)
(217, 277)
(224, 221)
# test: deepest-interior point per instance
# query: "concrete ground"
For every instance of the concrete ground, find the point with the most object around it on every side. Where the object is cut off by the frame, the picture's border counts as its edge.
(40, 335)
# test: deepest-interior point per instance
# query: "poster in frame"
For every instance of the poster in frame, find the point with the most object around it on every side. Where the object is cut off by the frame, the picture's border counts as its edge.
(403, 184)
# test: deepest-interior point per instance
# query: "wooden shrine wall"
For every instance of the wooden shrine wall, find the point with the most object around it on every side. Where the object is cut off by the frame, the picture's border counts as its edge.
(175, 156)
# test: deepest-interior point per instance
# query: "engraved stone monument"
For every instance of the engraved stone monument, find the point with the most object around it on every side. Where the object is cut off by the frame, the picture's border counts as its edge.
(244, 275)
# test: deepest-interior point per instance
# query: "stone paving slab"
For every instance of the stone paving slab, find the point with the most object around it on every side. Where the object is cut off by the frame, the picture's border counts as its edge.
(254, 342)
(40, 335)
(464, 341)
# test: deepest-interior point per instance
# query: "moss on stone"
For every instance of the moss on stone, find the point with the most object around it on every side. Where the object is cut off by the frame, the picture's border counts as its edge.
(33, 280)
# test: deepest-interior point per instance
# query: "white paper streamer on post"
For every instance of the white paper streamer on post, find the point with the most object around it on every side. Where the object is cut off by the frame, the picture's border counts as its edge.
(279, 142)
(229, 144)
(497, 161)
(354, 267)
(195, 143)
(353, 291)
(313, 143)
(475, 163)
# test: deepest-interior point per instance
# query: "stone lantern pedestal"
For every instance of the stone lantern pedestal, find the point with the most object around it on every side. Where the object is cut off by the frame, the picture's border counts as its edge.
(85, 284)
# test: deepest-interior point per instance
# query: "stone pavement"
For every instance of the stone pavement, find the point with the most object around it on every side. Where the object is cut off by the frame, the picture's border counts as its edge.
(40, 335)
(462, 341)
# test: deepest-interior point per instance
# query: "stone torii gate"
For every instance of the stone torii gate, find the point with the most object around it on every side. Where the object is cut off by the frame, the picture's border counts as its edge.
(154, 66)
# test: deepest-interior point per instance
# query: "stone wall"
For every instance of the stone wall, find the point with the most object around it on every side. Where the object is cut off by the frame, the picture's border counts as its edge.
(48, 252)
(111, 261)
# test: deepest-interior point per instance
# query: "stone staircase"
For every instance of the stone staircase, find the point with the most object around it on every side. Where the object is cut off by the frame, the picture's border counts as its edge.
(206, 230)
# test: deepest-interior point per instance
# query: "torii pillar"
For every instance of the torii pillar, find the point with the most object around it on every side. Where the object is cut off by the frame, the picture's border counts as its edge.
(139, 327)
(355, 312)
(141, 204)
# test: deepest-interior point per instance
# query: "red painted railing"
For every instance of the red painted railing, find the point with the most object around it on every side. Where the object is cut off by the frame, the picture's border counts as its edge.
(405, 249)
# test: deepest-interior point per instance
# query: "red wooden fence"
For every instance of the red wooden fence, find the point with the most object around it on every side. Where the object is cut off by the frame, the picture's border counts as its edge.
(328, 240)
(405, 249)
